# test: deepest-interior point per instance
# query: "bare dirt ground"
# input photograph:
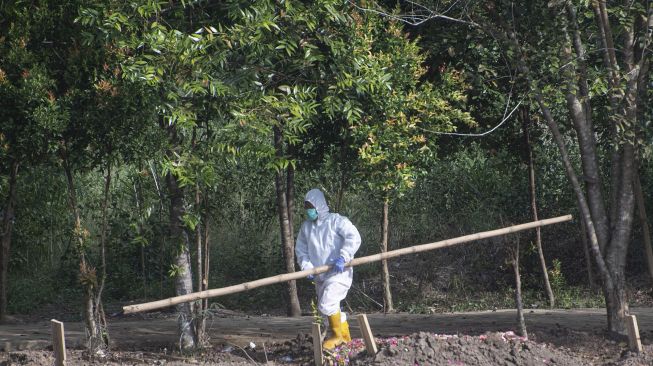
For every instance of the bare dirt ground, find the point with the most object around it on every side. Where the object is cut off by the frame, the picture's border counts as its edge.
(560, 337)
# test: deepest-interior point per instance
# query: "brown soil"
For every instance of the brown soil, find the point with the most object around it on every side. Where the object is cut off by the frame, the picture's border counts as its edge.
(490, 349)
(558, 337)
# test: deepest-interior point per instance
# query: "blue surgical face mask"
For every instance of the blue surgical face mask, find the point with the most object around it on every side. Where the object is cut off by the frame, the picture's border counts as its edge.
(311, 213)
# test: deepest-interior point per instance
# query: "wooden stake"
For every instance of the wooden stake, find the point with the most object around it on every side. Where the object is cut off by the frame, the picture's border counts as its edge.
(634, 342)
(370, 344)
(322, 269)
(317, 344)
(58, 343)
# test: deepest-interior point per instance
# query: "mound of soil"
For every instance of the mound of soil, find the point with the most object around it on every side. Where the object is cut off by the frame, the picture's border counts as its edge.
(491, 349)
(635, 359)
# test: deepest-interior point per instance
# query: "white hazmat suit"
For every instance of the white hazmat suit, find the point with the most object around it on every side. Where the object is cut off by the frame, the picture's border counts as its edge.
(319, 243)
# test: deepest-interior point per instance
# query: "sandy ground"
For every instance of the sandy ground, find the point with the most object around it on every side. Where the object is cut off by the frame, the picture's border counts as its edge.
(152, 331)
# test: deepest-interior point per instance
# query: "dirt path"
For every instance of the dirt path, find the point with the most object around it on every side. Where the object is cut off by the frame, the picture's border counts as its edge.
(137, 333)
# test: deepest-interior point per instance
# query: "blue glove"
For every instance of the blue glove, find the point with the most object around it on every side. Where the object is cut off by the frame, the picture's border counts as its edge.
(339, 264)
(308, 266)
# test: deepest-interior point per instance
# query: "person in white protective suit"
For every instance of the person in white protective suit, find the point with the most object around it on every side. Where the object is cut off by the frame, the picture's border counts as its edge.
(327, 238)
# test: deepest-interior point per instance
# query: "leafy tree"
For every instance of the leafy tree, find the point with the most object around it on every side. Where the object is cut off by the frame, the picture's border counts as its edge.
(64, 102)
(177, 62)
(29, 110)
(289, 47)
(390, 109)
(610, 229)
(22, 93)
(587, 59)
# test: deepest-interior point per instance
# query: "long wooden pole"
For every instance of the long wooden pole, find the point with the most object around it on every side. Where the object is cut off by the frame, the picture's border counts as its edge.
(322, 269)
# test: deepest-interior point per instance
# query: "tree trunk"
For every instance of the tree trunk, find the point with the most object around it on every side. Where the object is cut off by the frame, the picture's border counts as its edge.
(162, 248)
(199, 261)
(99, 309)
(533, 195)
(182, 264)
(286, 235)
(290, 199)
(343, 178)
(609, 50)
(588, 258)
(514, 253)
(614, 81)
(139, 208)
(387, 294)
(581, 113)
(7, 229)
(143, 274)
(617, 305)
(339, 197)
(87, 273)
(643, 221)
(207, 256)
(200, 318)
(625, 200)
(642, 99)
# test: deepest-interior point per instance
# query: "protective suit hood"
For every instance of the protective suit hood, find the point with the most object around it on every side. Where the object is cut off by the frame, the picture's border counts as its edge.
(316, 198)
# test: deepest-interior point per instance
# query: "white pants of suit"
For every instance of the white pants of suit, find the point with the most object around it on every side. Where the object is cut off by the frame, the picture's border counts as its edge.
(331, 290)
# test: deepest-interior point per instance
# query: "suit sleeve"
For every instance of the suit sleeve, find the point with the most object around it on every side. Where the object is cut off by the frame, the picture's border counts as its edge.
(352, 239)
(301, 251)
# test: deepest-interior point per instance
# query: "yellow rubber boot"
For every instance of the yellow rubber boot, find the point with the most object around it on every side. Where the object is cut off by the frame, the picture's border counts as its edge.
(345, 331)
(336, 332)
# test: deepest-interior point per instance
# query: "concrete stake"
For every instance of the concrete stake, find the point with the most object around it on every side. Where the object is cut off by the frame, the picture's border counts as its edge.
(58, 343)
(317, 344)
(634, 341)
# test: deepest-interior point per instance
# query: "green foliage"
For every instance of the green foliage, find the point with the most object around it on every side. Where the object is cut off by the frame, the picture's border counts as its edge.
(317, 316)
(389, 108)
(31, 292)
(175, 271)
(556, 277)
(572, 297)
(568, 297)
(196, 90)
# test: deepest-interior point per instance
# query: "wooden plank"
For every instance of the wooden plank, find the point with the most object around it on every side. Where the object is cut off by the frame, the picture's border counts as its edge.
(58, 343)
(322, 269)
(370, 343)
(317, 344)
(634, 341)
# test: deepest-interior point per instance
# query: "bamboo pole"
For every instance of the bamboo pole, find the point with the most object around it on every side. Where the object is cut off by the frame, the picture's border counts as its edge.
(322, 269)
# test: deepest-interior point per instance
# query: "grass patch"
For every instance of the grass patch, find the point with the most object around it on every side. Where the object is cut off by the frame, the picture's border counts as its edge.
(26, 293)
(569, 297)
